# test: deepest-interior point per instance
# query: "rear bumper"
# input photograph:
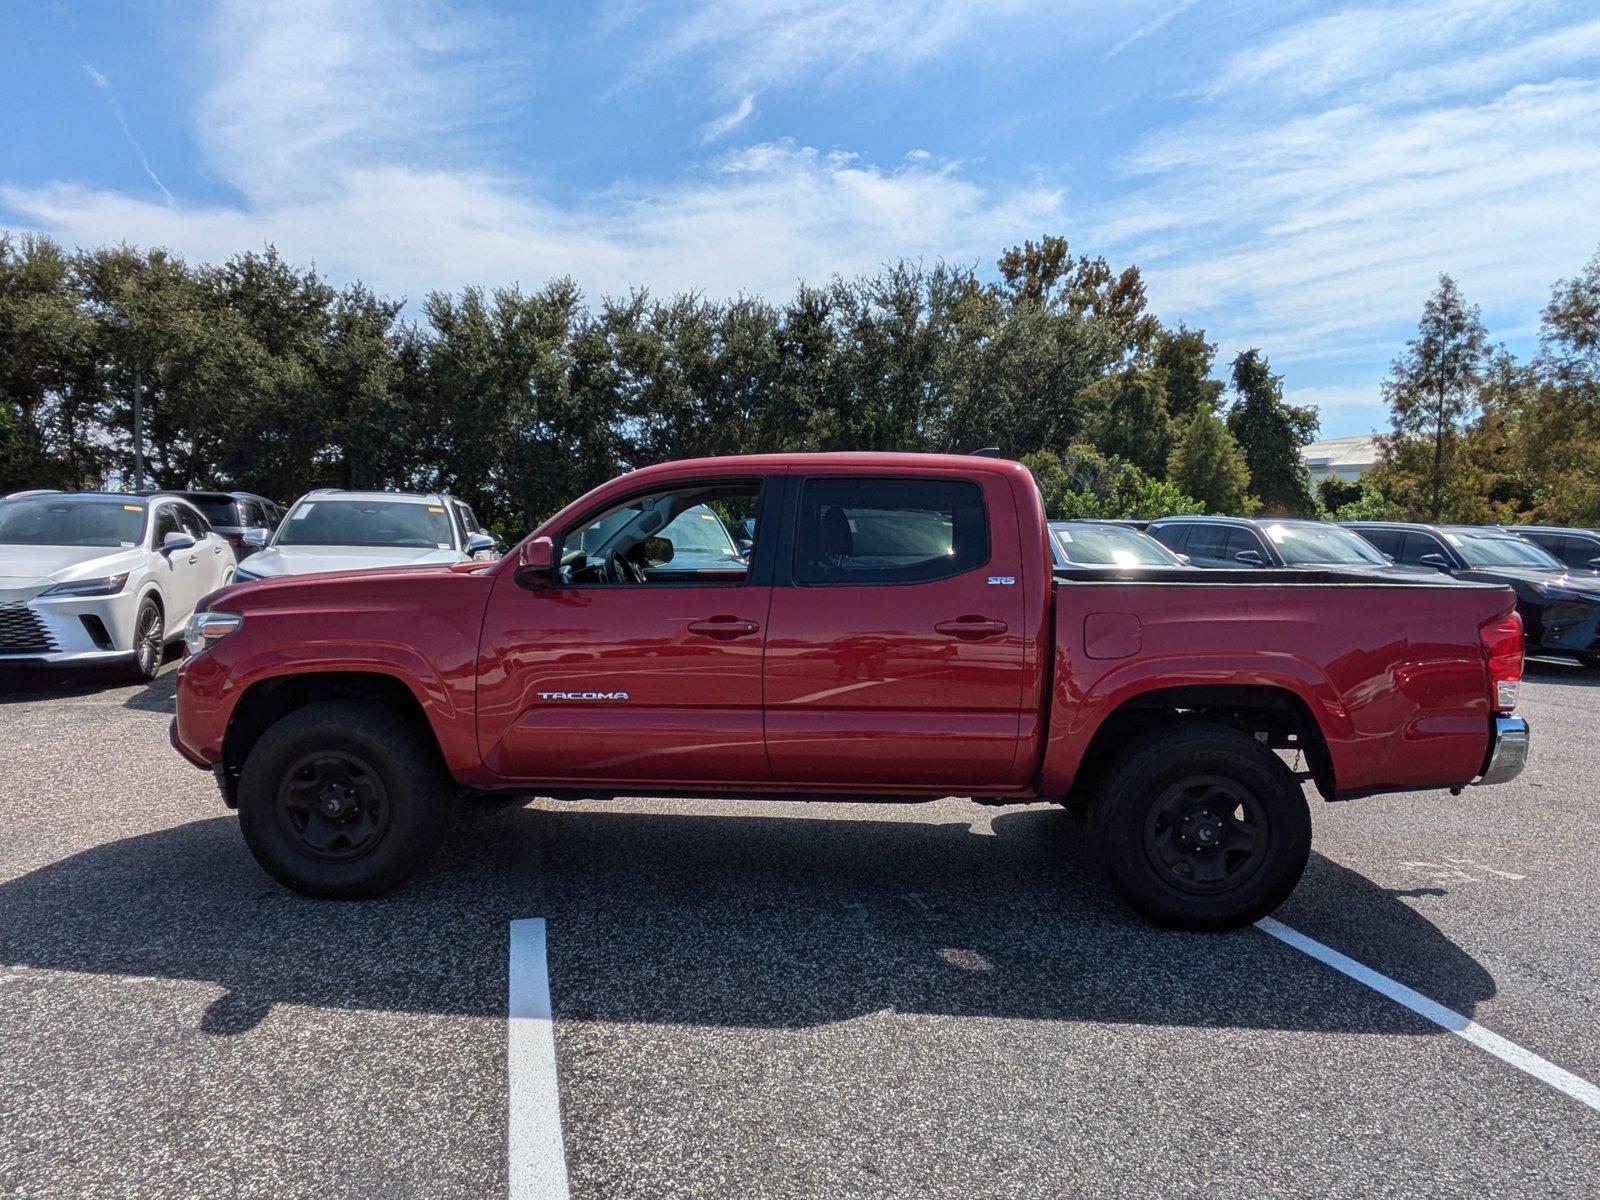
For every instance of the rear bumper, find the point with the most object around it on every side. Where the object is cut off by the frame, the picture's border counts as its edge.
(1508, 751)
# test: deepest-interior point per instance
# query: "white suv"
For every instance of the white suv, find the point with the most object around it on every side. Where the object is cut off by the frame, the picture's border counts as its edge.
(334, 530)
(100, 577)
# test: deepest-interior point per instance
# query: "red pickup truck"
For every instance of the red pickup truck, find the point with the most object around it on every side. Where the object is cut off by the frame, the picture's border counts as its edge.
(894, 630)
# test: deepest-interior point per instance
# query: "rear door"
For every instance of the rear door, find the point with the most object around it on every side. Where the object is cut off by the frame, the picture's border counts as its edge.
(895, 645)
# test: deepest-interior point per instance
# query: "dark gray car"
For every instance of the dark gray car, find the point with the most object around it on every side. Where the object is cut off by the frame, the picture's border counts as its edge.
(1234, 542)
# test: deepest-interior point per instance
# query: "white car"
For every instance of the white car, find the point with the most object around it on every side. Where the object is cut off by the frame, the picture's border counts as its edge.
(90, 577)
(334, 530)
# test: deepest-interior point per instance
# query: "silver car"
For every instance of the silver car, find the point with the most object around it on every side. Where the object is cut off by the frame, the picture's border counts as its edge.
(89, 577)
(334, 530)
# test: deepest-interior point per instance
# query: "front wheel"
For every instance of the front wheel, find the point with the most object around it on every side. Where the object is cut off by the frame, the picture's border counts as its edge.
(1201, 826)
(149, 642)
(343, 800)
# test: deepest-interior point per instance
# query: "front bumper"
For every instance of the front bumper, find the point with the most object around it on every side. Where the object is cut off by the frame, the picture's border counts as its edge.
(67, 629)
(1508, 751)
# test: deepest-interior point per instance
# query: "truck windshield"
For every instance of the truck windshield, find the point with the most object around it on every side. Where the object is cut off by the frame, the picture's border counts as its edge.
(1109, 546)
(1491, 550)
(70, 521)
(1308, 544)
(366, 523)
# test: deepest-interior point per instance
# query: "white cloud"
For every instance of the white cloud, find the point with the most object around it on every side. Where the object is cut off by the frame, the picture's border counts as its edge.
(1312, 219)
(761, 221)
(342, 133)
(730, 120)
(1154, 25)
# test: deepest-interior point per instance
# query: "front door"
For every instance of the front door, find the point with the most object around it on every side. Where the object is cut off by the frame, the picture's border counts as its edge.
(897, 657)
(641, 661)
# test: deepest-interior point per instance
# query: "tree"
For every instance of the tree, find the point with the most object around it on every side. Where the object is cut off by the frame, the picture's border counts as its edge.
(1208, 464)
(1433, 390)
(1126, 414)
(1082, 482)
(1183, 358)
(1272, 433)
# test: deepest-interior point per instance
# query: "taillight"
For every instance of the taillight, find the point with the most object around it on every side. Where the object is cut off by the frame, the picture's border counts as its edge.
(1502, 650)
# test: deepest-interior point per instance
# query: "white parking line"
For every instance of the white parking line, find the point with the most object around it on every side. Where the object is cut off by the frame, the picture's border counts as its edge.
(1564, 1081)
(537, 1159)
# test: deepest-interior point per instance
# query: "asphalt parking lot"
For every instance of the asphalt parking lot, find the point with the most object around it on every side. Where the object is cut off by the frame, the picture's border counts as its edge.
(773, 999)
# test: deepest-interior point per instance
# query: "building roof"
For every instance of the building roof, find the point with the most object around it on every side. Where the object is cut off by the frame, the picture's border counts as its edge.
(1332, 453)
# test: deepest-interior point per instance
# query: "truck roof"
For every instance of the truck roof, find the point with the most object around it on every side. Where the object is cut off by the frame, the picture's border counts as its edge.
(865, 459)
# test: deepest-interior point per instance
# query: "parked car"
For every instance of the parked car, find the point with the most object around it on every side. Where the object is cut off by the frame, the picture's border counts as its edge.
(1233, 542)
(1579, 549)
(335, 530)
(1082, 543)
(246, 521)
(467, 524)
(898, 632)
(98, 577)
(1560, 610)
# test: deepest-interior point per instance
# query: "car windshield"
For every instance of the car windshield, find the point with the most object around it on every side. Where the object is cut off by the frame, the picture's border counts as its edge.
(1495, 550)
(1110, 546)
(366, 523)
(70, 521)
(698, 530)
(1305, 544)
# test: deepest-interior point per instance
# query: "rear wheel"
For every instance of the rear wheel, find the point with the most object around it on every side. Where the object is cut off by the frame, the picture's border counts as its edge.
(1201, 826)
(343, 799)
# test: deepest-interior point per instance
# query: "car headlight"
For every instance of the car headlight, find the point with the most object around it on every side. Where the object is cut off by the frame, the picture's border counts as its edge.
(208, 628)
(109, 585)
(240, 575)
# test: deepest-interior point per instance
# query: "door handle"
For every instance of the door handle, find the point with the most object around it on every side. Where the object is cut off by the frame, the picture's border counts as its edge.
(723, 627)
(971, 628)
(193, 558)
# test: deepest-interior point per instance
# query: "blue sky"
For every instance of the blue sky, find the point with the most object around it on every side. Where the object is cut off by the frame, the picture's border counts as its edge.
(1288, 175)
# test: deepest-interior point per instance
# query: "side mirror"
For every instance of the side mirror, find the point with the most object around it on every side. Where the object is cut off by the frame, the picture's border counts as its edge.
(536, 563)
(1437, 561)
(1250, 558)
(175, 542)
(1184, 559)
(480, 543)
(256, 539)
(1594, 564)
(658, 551)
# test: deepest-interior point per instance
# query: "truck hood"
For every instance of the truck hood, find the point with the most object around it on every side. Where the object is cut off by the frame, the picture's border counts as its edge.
(36, 567)
(314, 560)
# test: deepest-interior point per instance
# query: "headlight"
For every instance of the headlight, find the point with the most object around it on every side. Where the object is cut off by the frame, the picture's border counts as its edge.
(207, 628)
(240, 575)
(110, 585)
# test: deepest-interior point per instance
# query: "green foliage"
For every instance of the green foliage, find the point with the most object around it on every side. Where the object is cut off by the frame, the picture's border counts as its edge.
(1272, 433)
(1334, 493)
(1433, 390)
(1183, 359)
(1367, 504)
(1083, 482)
(1208, 463)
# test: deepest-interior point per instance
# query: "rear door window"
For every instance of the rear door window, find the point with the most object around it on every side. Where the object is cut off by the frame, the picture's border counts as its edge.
(1576, 551)
(890, 530)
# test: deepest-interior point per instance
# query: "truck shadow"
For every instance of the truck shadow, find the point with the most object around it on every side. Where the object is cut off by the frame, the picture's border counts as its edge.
(777, 921)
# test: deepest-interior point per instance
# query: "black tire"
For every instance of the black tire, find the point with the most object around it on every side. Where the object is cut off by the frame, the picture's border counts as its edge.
(1201, 826)
(381, 769)
(149, 642)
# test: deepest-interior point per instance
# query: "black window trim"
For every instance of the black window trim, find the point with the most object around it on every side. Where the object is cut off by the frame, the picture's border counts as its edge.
(771, 494)
(792, 525)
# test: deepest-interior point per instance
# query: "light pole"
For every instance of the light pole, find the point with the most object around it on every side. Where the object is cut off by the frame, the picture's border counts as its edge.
(138, 417)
